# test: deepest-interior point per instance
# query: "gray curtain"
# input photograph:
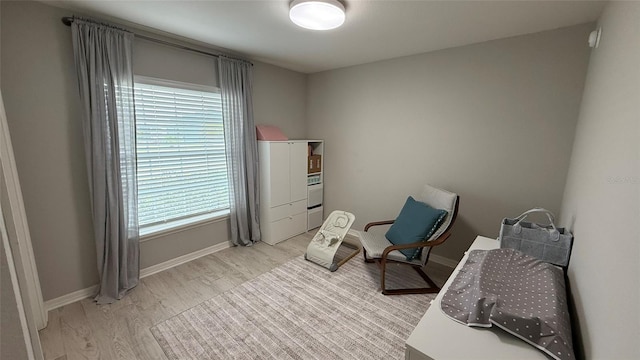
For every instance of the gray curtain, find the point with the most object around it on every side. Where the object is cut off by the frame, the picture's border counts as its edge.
(103, 58)
(241, 148)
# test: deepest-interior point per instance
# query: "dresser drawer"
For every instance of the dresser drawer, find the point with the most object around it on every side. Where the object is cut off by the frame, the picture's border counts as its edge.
(280, 231)
(288, 227)
(314, 195)
(314, 218)
(299, 223)
(286, 210)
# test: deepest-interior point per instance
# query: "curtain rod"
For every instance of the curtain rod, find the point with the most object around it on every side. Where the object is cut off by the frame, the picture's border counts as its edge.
(67, 20)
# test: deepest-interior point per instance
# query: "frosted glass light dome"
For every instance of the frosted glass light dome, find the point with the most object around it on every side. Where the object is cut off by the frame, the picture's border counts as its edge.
(317, 14)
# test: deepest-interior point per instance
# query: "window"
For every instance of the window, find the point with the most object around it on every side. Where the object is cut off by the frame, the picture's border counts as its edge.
(182, 169)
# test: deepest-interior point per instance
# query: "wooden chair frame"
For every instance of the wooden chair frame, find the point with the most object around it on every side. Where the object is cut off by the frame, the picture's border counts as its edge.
(383, 260)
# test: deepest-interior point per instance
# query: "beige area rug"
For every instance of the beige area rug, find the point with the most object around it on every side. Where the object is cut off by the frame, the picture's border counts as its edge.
(300, 310)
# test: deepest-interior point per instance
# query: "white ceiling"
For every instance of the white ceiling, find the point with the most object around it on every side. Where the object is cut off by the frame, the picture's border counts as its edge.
(374, 30)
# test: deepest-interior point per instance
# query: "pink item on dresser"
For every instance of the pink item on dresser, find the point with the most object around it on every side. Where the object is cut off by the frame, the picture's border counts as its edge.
(269, 132)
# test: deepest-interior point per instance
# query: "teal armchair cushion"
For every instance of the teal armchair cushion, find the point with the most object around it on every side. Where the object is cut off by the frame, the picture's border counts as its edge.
(417, 222)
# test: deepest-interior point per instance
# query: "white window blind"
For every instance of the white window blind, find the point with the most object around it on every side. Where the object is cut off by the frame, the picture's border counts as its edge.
(182, 170)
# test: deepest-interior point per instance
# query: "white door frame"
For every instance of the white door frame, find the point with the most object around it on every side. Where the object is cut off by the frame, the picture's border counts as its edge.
(21, 245)
(30, 335)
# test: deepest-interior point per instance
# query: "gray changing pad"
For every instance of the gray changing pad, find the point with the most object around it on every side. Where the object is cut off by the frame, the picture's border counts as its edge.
(516, 292)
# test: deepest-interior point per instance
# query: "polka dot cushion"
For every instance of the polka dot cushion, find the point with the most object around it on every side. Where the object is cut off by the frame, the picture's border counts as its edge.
(518, 293)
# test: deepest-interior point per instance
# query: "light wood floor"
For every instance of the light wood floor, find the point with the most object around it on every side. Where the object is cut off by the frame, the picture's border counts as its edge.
(84, 330)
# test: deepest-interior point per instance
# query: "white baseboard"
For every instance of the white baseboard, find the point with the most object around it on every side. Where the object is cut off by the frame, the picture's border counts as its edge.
(435, 258)
(70, 298)
(443, 261)
(153, 269)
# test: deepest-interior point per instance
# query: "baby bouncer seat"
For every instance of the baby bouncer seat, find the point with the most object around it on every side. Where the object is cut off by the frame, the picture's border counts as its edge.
(325, 244)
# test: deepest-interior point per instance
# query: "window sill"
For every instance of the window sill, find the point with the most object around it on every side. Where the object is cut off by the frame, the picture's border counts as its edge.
(157, 231)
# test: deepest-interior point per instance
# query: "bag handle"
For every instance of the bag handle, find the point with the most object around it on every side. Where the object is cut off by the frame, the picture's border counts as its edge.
(555, 234)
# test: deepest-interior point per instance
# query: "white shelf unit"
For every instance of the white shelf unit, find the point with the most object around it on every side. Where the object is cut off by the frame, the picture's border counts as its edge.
(315, 188)
(283, 189)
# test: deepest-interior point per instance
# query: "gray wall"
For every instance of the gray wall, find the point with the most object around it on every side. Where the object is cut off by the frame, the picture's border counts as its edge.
(170, 63)
(43, 111)
(602, 196)
(281, 96)
(493, 122)
(12, 345)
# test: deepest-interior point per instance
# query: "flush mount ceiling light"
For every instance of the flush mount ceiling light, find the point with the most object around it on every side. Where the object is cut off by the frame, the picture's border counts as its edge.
(317, 14)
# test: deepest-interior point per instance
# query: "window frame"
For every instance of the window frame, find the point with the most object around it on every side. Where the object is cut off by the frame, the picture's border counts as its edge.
(148, 232)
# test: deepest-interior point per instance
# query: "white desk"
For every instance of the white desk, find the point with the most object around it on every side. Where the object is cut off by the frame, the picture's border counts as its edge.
(438, 337)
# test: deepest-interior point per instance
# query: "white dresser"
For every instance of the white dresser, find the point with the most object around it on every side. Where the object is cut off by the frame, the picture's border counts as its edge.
(283, 189)
(438, 337)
